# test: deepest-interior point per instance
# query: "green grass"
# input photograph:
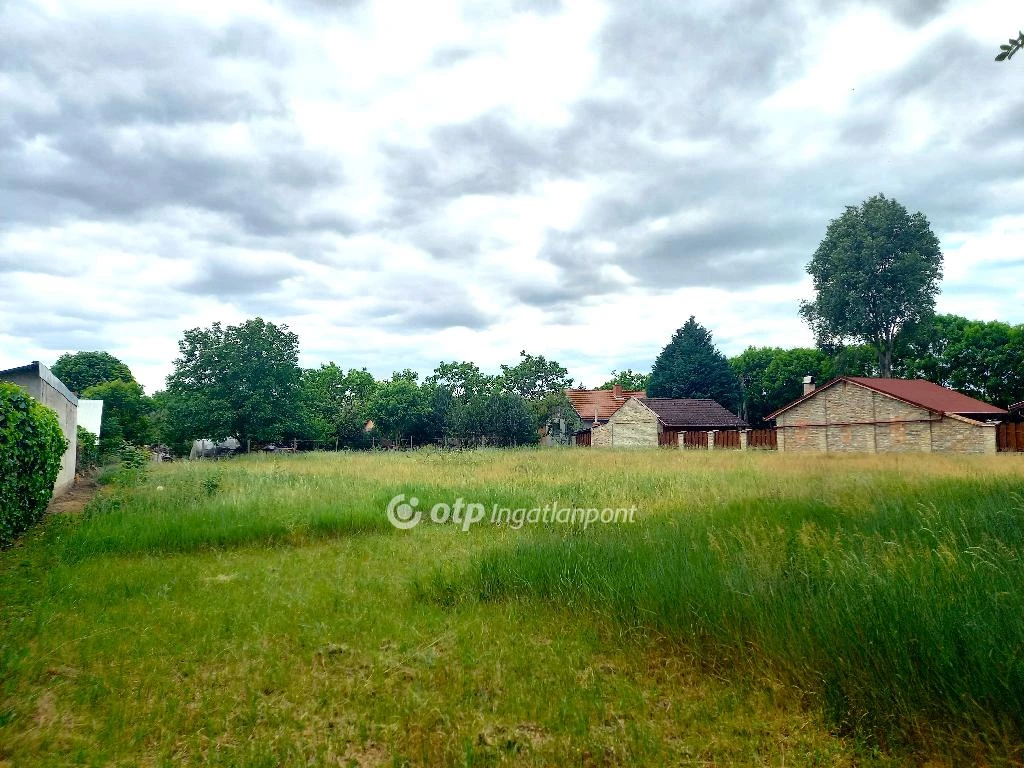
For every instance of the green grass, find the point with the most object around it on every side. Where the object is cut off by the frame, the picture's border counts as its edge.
(764, 609)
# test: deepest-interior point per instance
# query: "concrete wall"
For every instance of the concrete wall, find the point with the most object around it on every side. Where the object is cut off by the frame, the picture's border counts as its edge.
(632, 426)
(849, 418)
(42, 385)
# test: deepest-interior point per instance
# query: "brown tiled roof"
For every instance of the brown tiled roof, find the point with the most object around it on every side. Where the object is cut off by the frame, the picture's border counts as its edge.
(924, 394)
(585, 401)
(693, 414)
(1017, 406)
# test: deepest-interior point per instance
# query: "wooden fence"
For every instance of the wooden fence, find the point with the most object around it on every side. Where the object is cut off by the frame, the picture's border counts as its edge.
(668, 439)
(727, 439)
(763, 438)
(694, 441)
(583, 438)
(1010, 437)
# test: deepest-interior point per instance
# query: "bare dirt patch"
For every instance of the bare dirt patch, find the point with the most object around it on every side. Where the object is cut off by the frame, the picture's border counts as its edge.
(75, 499)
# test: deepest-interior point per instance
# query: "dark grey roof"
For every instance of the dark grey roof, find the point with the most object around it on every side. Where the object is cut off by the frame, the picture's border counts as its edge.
(692, 414)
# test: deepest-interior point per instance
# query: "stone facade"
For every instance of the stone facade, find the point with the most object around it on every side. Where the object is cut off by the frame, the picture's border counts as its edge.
(632, 426)
(847, 417)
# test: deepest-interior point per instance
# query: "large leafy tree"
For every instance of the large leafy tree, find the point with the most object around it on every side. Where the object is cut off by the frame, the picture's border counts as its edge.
(401, 408)
(335, 404)
(82, 370)
(497, 418)
(981, 359)
(627, 379)
(771, 377)
(452, 386)
(126, 413)
(876, 272)
(691, 366)
(542, 384)
(534, 376)
(237, 381)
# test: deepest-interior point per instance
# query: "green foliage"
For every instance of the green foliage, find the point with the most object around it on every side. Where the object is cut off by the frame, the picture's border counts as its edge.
(1007, 51)
(240, 381)
(627, 379)
(126, 414)
(981, 359)
(401, 409)
(690, 366)
(876, 272)
(335, 405)
(82, 370)
(132, 468)
(497, 419)
(771, 377)
(31, 446)
(88, 451)
(533, 377)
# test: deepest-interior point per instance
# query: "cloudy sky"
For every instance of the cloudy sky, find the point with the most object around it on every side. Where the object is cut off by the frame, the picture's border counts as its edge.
(405, 182)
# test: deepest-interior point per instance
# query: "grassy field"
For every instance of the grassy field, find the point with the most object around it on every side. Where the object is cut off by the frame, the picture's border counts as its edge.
(761, 609)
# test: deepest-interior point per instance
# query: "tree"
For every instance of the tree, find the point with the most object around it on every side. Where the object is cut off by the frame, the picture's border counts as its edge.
(1006, 51)
(240, 381)
(335, 405)
(691, 366)
(498, 418)
(876, 272)
(463, 380)
(771, 377)
(126, 413)
(982, 359)
(401, 408)
(627, 379)
(82, 370)
(533, 377)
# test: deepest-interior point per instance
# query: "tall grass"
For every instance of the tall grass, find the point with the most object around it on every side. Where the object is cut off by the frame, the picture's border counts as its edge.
(901, 616)
(208, 505)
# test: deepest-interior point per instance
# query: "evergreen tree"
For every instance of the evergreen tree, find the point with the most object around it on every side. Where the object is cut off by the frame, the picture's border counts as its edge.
(691, 366)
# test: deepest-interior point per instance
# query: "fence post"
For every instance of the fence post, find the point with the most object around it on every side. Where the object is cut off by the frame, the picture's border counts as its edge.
(744, 439)
(711, 439)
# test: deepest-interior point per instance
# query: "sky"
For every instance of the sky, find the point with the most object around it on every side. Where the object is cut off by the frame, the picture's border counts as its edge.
(403, 183)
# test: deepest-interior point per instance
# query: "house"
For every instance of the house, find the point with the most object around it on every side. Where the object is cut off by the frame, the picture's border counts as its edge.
(654, 421)
(40, 383)
(853, 413)
(595, 406)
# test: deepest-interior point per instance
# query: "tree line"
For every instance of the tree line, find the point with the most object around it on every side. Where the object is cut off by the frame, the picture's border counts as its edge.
(875, 276)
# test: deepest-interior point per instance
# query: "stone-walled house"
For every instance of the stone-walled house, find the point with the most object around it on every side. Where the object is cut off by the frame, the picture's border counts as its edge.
(40, 383)
(595, 406)
(641, 421)
(886, 415)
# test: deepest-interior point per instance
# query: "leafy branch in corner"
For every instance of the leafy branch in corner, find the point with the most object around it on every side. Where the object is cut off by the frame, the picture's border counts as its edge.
(1007, 51)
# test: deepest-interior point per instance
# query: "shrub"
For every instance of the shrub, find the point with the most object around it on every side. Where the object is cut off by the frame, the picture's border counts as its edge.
(88, 450)
(31, 446)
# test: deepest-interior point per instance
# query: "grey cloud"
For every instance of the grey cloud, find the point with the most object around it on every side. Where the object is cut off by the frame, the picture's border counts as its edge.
(144, 73)
(235, 277)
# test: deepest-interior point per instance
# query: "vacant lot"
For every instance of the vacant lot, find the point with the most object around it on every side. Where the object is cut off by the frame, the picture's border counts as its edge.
(762, 609)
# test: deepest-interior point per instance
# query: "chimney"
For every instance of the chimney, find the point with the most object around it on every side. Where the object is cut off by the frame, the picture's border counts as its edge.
(617, 391)
(808, 384)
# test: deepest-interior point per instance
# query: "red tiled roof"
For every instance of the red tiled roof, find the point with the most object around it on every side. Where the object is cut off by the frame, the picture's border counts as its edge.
(585, 401)
(924, 394)
(693, 414)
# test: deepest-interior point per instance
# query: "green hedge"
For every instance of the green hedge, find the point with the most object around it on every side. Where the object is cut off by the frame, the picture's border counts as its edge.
(31, 446)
